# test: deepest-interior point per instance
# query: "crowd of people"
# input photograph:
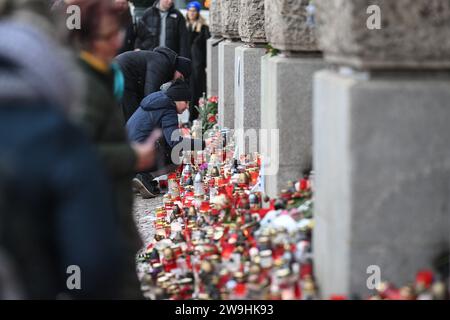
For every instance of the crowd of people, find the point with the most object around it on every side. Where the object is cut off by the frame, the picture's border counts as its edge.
(87, 114)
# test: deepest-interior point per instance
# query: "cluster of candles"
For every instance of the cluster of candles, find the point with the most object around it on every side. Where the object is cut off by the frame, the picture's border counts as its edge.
(217, 237)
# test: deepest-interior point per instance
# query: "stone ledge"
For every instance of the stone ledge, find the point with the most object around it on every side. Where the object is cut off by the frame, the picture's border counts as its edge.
(414, 34)
(215, 19)
(286, 26)
(252, 21)
(230, 19)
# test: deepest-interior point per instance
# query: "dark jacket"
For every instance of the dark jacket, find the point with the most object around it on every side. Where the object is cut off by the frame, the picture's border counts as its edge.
(197, 44)
(158, 111)
(149, 28)
(130, 32)
(55, 208)
(143, 3)
(103, 122)
(55, 203)
(145, 72)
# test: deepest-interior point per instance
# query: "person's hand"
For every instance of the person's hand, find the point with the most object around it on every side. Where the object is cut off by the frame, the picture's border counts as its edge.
(146, 152)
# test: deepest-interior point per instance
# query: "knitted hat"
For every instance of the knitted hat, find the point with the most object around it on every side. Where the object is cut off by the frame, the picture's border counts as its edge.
(184, 65)
(179, 91)
(194, 4)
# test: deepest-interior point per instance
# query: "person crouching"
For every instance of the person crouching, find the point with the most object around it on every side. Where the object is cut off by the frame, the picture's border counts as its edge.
(160, 110)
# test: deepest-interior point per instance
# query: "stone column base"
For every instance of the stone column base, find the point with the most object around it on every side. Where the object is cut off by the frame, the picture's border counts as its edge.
(226, 83)
(382, 163)
(288, 108)
(212, 60)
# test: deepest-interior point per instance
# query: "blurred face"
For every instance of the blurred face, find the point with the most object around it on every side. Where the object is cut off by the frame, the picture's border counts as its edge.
(192, 14)
(122, 5)
(108, 40)
(165, 4)
(182, 106)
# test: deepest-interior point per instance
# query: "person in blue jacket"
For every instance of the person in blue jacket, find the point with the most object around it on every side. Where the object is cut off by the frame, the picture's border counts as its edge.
(160, 110)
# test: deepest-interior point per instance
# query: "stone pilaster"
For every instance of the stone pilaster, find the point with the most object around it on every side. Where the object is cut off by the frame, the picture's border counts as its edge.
(287, 28)
(252, 27)
(230, 19)
(226, 83)
(212, 57)
(230, 31)
(381, 157)
(288, 102)
(215, 18)
(248, 65)
(413, 33)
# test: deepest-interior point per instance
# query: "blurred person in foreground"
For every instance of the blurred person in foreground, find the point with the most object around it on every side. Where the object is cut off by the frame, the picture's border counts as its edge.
(98, 41)
(54, 200)
(198, 34)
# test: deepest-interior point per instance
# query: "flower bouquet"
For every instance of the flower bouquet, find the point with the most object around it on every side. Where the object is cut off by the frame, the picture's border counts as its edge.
(208, 109)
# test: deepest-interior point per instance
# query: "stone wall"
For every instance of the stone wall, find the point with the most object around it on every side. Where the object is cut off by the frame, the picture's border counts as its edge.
(230, 18)
(215, 18)
(413, 34)
(252, 21)
(286, 25)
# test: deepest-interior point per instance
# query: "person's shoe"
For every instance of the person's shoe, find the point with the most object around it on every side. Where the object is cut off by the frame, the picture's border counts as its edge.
(148, 189)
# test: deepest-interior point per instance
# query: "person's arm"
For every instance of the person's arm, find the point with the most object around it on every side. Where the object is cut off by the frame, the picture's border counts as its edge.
(119, 158)
(140, 27)
(169, 126)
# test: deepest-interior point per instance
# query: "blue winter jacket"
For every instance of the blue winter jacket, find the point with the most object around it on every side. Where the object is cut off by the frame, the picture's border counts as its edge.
(157, 110)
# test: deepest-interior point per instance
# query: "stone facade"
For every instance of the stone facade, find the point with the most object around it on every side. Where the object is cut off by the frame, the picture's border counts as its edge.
(414, 33)
(382, 165)
(227, 73)
(382, 178)
(230, 18)
(247, 88)
(286, 25)
(212, 61)
(288, 110)
(215, 18)
(252, 21)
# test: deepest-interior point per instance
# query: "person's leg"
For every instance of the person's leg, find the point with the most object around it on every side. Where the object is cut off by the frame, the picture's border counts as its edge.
(164, 163)
(143, 182)
(193, 113)
(165, 170)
